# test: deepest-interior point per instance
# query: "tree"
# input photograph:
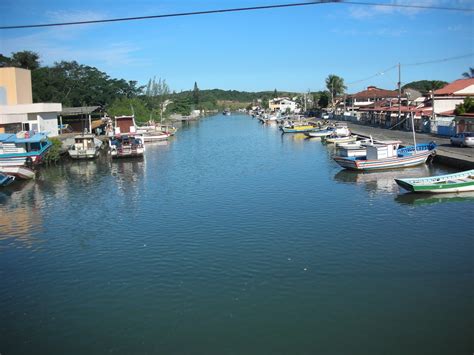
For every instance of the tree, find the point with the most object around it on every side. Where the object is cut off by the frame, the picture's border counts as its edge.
(468, 74)
(196, 94)
(5, 61)
(25, 60)
(275, 93)
(158, 92)
(335, 86)
(129, 106)
(425, 86)
(466, 107)
(323, 99)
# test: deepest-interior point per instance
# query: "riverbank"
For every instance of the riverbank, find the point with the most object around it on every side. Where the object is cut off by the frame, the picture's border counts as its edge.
(446, 154)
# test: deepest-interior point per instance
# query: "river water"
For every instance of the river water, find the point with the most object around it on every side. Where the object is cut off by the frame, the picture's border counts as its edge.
(233, 239)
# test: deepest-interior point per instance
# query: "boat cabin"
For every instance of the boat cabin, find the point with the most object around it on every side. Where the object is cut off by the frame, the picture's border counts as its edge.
(382, 150)
(84, 142)
(23, 143)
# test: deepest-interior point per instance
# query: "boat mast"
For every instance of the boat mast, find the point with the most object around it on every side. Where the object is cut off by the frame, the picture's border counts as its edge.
(399, 93)
(413, 129)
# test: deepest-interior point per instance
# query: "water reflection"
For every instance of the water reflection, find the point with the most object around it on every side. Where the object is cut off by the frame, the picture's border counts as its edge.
(20, 214)
(427, 199)
(383, 181)
(127, 173)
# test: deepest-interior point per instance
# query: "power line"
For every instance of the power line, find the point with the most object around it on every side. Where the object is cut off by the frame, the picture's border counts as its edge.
(382, 72)
(240, 9)
(440, 60)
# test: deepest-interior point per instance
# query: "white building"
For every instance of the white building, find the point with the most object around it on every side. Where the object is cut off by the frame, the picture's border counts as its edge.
(17, 110)
(447, 98)
(283, 104)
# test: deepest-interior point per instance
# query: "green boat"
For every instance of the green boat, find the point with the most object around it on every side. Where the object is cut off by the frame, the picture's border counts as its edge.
(457, 182)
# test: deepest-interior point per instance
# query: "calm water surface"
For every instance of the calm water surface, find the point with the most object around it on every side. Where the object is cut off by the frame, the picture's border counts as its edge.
(233, 239)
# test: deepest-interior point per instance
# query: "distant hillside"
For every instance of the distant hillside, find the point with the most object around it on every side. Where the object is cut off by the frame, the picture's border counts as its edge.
(424, 86)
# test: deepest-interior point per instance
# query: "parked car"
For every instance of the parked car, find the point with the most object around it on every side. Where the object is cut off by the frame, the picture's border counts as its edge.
(464, 139)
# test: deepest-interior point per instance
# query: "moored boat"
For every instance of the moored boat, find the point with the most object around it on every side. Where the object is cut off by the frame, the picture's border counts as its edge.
(153, 136)
(6, 180)
(85, 146)
(386, 155)
(320, 133)
(23, 148)
(340, 139)
(126, 146)
(457, 182)
(298, 128)
(21, 172)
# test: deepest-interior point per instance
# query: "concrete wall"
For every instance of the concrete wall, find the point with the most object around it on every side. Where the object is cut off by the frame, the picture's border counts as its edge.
(446, 104)
(48, 122)
(16, 82)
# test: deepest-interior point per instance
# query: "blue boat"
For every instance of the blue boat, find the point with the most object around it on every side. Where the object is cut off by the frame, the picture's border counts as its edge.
(22, 149)
(6, 179)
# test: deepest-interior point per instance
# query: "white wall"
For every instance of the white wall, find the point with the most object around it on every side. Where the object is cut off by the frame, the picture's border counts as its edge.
(443, 105)
(48, 122)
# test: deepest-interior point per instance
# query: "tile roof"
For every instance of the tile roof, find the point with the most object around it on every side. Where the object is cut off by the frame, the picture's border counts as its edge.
(373, 92)
(455, 86)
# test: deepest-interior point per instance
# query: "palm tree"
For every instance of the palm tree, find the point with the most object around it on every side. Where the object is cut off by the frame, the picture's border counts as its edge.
(468, 74)
(335, 86)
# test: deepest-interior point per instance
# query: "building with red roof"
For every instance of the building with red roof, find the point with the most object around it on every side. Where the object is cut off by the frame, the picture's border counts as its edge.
(447, 98)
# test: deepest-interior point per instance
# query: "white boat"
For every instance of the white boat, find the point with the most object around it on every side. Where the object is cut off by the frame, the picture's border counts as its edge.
(154, 136)
(320, 133)
(387, 155)
(85, 146)
(341, 130)
(21, 172)
(340, 139)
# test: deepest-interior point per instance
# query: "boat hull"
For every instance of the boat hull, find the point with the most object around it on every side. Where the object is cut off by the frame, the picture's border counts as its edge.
(303, 129)
(458, 182)
(6, 180)
(341, 139)
(383, 164)
(21, 172)
(319, 134)
(83, 154)
(127, 153)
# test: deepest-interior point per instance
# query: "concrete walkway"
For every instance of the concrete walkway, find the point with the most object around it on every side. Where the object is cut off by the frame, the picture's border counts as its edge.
(456, 157)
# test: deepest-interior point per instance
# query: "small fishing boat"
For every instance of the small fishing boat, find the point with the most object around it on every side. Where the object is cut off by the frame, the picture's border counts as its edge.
(125, 146)
(457, 182)
(6, 180)
(320, 133)
(154, 136)
(23, 148)
(298, 128)
(20, 172)
(85, 146)
(340, 139)
(387, 155)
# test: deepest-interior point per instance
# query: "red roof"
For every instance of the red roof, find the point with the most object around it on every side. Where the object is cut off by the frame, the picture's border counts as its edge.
(455, 86)
(373, 92)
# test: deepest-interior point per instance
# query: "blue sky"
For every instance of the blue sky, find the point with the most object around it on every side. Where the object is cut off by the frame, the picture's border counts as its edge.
(291, 49)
